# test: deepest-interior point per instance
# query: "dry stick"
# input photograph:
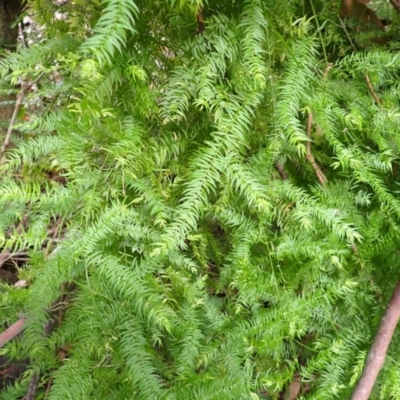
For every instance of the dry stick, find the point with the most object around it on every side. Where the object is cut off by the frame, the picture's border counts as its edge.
(396, 4)
(347, 34)
(376, 356)
(293, 388)
(200, 22)
(371, 89)
(47, 388)
(12, 331)
(17, 327)
(282, 173)
(7, 255)
(321, 177)
(32, 388)
(20, 98)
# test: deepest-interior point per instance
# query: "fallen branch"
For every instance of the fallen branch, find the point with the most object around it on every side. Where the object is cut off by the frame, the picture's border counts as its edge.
(377, 354)
(46, 393)
(321, 177)
(17, 327)
(282, 173)
(396, 4)
(32, 388)
(12, 331)
(7, 255)
(293, 388)
(371, 89)
(347, 34)
(200, 22)
(20, 98)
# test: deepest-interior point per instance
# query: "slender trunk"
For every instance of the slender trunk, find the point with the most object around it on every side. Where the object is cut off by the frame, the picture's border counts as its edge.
(377, 354)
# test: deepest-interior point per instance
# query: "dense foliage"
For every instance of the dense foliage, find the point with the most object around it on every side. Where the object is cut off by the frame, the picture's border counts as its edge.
(215, 186)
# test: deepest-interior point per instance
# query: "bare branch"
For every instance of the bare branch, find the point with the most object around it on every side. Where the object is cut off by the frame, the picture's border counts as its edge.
(20, 98)
(371, 89)
(282, 173)
(343, 25)
(12, 331)
(7, 255)
(321, 177)
(32, 388)
(396, 4)
(377, 354)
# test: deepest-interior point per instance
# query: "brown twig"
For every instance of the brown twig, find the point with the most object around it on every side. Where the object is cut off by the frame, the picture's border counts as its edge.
(321, 177)
(396, 4)
(32, 388)
(20, 98)
(347, 34)
(7, 255)
(12, 331)
(293, 388)
(282, 173)
(17, 328)
(48, 388)
(377, 353)
(371, 89)
(56, 228)
(200, 22)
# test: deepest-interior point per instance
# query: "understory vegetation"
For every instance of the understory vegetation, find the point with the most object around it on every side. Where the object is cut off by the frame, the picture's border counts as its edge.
(207, 196)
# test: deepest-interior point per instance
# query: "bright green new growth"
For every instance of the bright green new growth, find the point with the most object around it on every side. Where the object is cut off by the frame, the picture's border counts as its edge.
(200, 272)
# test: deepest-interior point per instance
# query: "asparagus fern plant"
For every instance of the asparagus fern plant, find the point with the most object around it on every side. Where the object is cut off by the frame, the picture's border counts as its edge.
(211, 189)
